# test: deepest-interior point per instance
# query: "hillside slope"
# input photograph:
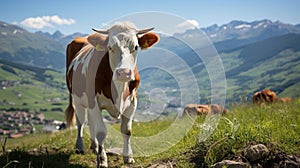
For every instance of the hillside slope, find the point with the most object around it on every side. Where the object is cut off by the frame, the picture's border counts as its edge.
(243, 126)
(271, 63)
(31, 88)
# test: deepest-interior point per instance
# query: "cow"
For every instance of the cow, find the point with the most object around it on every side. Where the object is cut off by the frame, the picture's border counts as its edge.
(285, 99)
(200, 109)
(101, 73)
(264, 96)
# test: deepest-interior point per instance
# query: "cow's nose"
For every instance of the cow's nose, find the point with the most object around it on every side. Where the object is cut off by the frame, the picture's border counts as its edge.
(123, 74)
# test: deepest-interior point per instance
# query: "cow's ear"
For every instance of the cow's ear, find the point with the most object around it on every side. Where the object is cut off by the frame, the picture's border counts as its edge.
(148, 40)
(97, 40)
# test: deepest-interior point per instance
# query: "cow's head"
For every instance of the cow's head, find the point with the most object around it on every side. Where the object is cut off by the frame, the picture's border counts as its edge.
(122, 43)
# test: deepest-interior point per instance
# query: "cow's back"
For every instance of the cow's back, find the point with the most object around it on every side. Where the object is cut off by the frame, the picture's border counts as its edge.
(73, 48)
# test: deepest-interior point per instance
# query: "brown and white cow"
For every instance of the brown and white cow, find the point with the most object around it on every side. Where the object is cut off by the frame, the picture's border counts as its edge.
(102, 74)
(264, 96)
(200, 109)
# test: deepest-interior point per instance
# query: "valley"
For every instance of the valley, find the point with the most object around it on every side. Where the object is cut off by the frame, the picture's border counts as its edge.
(264, 54)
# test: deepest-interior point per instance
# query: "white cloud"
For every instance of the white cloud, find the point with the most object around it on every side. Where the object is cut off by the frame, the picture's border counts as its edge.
(46, 21)
(186, 25)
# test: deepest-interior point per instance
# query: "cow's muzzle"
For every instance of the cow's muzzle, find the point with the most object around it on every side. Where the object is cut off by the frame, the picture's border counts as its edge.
(124, 74)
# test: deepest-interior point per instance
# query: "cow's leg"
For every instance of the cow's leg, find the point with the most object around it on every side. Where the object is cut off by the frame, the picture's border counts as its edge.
(80, 117)
(94, 142)
(126, 127)
(100, 132)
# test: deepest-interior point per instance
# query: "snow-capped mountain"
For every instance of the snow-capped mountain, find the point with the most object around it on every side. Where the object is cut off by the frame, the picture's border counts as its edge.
(242, 30)
(239, 30)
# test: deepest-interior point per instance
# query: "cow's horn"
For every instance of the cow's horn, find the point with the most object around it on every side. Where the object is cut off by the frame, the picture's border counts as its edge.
(100, 31)
(144, 30)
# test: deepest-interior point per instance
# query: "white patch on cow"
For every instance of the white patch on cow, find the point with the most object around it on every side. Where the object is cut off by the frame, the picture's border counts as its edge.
(105, 103)
(82, 60)
(87, 62)
(120, 86)
(83, 100)
(131, 100)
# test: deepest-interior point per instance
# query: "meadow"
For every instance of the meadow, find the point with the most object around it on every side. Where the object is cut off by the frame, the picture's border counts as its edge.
(276, 126)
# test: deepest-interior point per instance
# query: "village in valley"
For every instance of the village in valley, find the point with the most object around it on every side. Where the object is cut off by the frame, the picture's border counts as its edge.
(15, 124)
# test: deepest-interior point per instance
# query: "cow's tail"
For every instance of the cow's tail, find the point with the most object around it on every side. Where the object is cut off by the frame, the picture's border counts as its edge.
(70, 113)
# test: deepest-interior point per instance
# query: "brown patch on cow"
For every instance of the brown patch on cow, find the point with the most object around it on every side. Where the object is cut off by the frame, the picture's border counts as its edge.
(99, 40)
(73, 48)
(132, 85)
(264, 96)
(200, 109)
(103, 80)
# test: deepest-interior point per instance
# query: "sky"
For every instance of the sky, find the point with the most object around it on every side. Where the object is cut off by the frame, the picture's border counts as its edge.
(70, 16)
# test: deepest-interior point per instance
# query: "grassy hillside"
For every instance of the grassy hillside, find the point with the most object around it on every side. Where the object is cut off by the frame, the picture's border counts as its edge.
(279, 73)
(276, 126)
(31, 88)
(272, 63)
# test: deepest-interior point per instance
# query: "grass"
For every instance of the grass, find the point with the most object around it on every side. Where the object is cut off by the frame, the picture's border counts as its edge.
(276, 126)
(32, 88)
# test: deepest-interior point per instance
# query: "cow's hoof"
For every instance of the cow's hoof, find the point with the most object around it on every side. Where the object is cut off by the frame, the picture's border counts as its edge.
(128, 159)
(102, 163)
(94, 147)
(102, 160)
(77, 151)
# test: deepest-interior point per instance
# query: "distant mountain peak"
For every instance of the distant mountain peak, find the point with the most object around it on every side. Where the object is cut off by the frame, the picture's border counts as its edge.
(57, 35)
(238, 29)
(57, 32)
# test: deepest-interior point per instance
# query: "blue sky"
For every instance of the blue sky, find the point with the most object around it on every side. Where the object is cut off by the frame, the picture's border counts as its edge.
(71, 16)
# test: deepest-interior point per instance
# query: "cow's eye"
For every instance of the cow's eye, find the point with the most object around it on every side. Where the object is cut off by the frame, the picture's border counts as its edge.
(135, 48)
(110, 49)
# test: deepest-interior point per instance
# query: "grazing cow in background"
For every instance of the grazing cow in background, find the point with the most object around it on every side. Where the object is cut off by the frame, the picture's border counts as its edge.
(264, 96)
(285, 99)
(199, 109)
(102, 74)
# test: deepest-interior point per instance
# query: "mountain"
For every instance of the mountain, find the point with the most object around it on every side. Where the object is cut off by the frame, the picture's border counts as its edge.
(239, 33)
(19, 45)
(255, 55)
(261, 51)
(270, 63)
(247, 30)
(61, 38)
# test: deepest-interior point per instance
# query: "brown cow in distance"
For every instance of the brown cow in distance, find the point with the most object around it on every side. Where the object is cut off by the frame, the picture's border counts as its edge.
(285, 99)
(200, 109)
(264, 96)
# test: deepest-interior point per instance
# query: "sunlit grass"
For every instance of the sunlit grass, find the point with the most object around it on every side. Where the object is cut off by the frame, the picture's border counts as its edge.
(276, 126)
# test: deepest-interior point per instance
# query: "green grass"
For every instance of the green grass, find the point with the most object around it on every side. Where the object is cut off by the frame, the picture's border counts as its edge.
(276, 126)
(33, 88)
(55, 115)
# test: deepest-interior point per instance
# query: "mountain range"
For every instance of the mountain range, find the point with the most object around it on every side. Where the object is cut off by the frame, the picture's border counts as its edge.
(255, 55)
